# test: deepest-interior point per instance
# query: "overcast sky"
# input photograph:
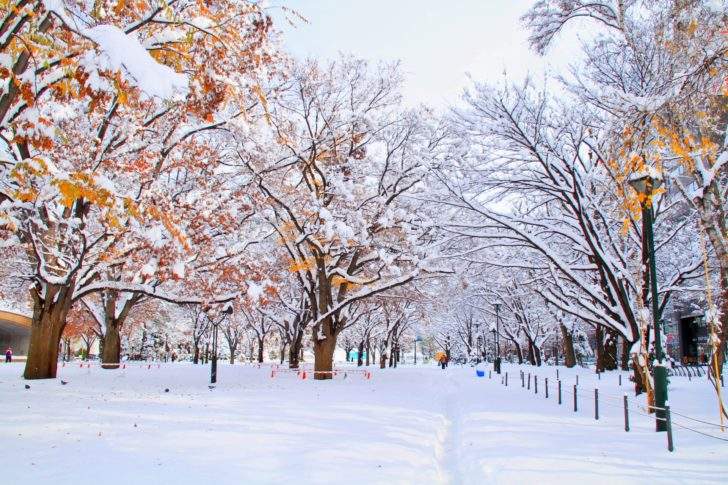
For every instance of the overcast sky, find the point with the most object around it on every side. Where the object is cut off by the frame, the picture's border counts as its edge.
(438, 42)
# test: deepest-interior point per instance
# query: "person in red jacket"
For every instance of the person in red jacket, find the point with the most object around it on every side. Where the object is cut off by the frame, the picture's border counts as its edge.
(8, 355)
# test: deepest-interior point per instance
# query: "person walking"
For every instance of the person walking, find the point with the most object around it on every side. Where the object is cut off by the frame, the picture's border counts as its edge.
(9, 355)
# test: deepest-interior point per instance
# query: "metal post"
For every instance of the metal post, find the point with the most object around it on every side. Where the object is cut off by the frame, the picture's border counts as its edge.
(415, 350)
(523, 379)
(575, 406)
(535, 384)
(660, 371)
(668, 427)
(559, 391)
(546, 384)
(557, 373)
(596, 403)
(506, 379)
(626, 414)
(529, 382)
(577, 379)
(620, 379)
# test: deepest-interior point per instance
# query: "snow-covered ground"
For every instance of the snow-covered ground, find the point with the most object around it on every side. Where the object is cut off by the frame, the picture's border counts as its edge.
(406, 425)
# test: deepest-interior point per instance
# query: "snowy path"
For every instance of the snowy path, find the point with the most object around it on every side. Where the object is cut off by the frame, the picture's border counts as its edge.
(404, 426)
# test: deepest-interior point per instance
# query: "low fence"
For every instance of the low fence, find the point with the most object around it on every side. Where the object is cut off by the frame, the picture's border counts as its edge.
(304, 374)
(579, 397)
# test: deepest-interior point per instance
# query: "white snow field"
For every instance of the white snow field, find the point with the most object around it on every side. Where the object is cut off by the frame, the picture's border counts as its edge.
(405, 425)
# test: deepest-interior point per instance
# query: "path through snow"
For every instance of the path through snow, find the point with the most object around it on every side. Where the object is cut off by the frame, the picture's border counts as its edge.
(406, 425)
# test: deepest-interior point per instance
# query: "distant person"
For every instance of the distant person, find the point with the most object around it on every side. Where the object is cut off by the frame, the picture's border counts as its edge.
(8, 355)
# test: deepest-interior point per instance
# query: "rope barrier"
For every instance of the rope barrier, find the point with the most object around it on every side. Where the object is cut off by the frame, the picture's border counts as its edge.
(698, 420)
(699, 432)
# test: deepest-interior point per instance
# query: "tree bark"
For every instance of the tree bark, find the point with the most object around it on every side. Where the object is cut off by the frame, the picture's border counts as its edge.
(360, 355)
(625, 354)
(323, 362)
(260, 350)
(568, 342)
(49, 319)
(112, 347)
(196, 357)
(531, 356)
(294, 351)
(606, 349)
(233, 348)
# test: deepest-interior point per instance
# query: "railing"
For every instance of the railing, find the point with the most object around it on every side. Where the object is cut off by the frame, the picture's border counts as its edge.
(580, 395)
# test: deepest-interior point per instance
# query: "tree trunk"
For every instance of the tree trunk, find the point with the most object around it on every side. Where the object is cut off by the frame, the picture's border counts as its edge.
(382, 359)
(88, 348)
(112, 347)
(196, 357)
(625, 354)
(233, 348)
(723, 333)
(207, 353)
(599, 337)
(531, 356)
(368, 352)
(360, 355)
(294, 351)
(260, 350)
(519, 351)
(568, 342)
(49, 319)
(606, 349)
(323, 362)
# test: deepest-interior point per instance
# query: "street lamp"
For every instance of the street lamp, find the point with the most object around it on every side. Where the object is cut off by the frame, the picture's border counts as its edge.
(227, 311)
(645, 185)
(497, 360)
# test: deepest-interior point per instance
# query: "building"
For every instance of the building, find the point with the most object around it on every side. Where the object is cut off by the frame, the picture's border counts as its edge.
(14, 332)
(687, 335)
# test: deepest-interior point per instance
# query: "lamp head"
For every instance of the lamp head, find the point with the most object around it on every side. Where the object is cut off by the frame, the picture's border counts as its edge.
(644, 182)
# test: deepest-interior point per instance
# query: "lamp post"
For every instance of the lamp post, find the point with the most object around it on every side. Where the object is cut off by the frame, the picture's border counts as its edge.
(497, 360)
(645, 185)
(228, 310)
